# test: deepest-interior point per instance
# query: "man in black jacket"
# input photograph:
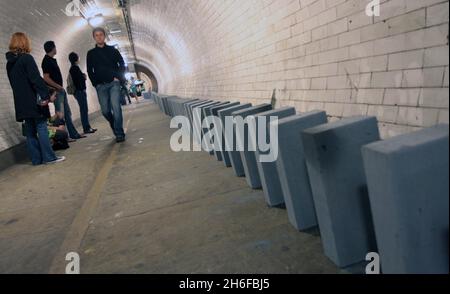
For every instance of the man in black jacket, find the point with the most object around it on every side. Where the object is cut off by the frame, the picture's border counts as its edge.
(54, 79)
(106, 70)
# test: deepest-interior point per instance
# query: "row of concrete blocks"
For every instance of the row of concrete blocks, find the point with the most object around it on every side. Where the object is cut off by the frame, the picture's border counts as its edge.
(364, 194)
(149, 95)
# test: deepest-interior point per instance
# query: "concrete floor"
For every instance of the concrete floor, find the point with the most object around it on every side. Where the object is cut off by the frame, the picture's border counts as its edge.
(141, 208)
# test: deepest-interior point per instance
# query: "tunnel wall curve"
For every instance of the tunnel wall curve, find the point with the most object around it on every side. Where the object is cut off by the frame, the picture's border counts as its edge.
(311, 54)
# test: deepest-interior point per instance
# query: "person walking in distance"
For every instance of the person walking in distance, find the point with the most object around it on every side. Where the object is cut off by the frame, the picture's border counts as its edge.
(54, 79)
(106, 70)
(31, 98)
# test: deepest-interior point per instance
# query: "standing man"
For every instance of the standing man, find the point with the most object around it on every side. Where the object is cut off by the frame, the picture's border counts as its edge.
(106, 70)
(54, 79)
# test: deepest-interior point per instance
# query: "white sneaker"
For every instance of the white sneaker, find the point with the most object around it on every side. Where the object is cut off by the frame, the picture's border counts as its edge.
(58, 160)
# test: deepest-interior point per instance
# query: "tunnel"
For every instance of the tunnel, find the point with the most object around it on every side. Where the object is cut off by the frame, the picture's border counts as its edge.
(149, 76)
(354, 74)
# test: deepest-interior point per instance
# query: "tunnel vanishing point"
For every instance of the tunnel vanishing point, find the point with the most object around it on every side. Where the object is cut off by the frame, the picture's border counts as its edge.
(359, 90)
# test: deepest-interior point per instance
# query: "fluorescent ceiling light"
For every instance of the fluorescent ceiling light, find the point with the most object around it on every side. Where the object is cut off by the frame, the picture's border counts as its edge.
(91, 12)
(96, 20)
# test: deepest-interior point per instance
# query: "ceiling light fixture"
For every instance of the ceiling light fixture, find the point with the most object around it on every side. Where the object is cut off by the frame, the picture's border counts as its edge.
(96, 20)
(118, 31)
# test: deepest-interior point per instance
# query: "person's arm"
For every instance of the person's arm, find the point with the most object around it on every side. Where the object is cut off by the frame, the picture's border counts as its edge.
(90, 69)
(35, 78)
(121, 65)
(52, 83)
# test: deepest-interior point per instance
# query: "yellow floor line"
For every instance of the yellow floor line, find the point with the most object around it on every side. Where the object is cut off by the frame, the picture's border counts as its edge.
(80, 224)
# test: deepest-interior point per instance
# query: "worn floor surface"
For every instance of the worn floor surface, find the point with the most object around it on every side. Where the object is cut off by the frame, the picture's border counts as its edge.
(141, 208)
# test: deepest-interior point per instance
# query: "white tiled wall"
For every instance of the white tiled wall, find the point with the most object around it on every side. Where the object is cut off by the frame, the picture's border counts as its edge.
(324, 54)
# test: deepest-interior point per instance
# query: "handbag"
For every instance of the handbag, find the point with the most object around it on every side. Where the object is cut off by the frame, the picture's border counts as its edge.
(70, 89)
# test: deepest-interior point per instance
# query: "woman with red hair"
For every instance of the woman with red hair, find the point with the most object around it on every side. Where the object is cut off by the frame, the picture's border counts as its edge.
(31, 98)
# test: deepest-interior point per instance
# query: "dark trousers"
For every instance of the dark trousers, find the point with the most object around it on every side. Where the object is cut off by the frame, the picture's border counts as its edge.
(81, 97)
(62, 105)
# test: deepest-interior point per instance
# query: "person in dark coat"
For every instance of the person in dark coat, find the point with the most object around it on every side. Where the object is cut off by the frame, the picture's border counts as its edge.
(31, 98)
(79, 82)
(106, 70)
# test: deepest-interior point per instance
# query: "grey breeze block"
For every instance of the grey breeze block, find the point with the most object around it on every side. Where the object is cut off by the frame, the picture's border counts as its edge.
(335, 166)
(207, 113)
(268, 173)
(292, 168)
(188, 105)
(249, 157)
(222, 155)
(191, 107)
(235, 156)
(178, 105)
(198, 132)
(409, 195)
(181, 106)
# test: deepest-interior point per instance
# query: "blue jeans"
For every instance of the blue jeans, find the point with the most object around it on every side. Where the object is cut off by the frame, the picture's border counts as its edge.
(38, 142)
(109, 99)
(81, 97)
(62, 105)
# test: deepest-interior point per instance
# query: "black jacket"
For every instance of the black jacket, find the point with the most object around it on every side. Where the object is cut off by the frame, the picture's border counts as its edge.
(78, 78)
(26, 82)
(105, 64)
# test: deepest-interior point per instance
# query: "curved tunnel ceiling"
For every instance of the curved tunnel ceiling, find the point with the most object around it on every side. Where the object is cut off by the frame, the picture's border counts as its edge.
(159, 32)
(185, 41)
(169, 36)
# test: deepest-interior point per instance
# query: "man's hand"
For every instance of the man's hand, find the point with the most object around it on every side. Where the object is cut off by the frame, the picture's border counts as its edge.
(52, 83)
